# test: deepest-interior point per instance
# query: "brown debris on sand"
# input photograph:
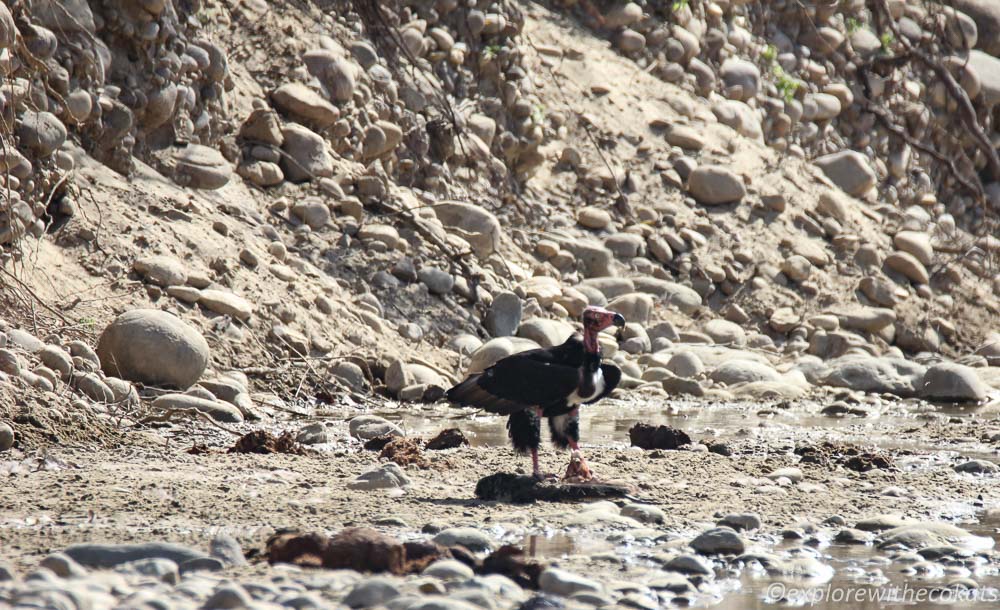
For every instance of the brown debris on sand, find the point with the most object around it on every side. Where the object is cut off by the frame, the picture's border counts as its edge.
(849, 456)
(405, 451)
(646, 436)
(447, 439)
(523, 489)
(262, 441)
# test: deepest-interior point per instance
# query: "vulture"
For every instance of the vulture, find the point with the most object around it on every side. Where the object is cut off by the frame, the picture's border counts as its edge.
(550, 383)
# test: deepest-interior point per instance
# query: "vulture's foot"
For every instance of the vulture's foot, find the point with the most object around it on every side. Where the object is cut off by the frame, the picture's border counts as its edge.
(578, 471)
(541, 477)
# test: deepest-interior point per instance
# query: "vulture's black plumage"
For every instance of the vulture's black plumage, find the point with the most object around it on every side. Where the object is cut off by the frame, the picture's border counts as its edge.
(549, 383)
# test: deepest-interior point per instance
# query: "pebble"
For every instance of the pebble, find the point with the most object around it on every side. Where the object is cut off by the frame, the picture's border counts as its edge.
(848, 169)
(386, 476)
(469, 537)
(644, 513)
(948, 382)
(367, 427)
(7, 436)
(437, 281)
(718, 541)
(448, 569)
(94, 555)
(714, 185)
(741, 521)
(504, 316)
(564, 583)
(215, 409)
(374, 591)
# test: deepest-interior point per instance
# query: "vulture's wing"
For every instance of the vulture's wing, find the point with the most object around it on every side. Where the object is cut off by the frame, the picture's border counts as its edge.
(612, 376)
(526, 380)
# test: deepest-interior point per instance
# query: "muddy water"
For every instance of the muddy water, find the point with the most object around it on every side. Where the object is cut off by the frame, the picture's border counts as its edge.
(609, 423)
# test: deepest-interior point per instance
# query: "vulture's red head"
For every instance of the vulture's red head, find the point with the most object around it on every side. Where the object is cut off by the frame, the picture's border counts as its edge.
(596, 319)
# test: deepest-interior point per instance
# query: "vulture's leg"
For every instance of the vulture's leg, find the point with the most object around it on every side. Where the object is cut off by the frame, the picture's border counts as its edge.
(566, 435)
(525, 431)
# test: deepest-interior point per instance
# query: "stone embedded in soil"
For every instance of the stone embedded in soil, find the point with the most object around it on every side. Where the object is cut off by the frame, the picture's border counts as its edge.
(469, 537)
(215, 409)
(718, 541)
(448, 569)
(226, 303)
(791, 473)
(371, 592)
(950, 382)
(367, 427)
(714, 185)
(201, 167)
(161, 270)
(922, 535)
(504, 315)
(644, 513)
(741, 521)
(153, 347)
(648, 437)
(977, 467)
(565, 583)
(94, 555)
(386, 476)
(689, 564)
(7, 436)
(848, 169)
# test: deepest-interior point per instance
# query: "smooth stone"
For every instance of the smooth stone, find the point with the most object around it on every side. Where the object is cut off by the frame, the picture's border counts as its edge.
(110, 555)
(714, 185)
(386, 476)
(469, 537)
(215, 409)
(718, 541)
(153, 347)
(504, 315)
(371, 592)
(564, 583)
(950, 382)
(848, 169)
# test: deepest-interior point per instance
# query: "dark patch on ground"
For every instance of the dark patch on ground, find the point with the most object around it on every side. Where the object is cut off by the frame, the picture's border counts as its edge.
(447, 439)
(523, 489)
(262, 441)
(646, 436)
(405, 451)
(849, 456)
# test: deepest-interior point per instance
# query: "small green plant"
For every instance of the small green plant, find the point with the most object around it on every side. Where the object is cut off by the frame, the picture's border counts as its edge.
(538, 114)
(491, 51)
(769, 54)
(887, 39)
(678, 5)
(853, 25)
(786, 84)
(88, 322)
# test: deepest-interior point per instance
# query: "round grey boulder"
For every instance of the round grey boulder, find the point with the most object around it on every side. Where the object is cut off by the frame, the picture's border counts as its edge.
(153, 347)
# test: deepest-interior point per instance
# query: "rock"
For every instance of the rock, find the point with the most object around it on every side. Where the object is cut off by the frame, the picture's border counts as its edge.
(367, 427)
(635, 307)
(306, 154)
(215, 409)
(987, 67)
(542, 288)
(225, 548)
(57, 359)
(228, 595)
(561, 582)
(225, 303)
(880, 291)
(336, 74)
(111, 555)
(504, 315)
(915, 243)
(301, 101)
(400, 375)
(380, 139)
(594, 218)
(686, 299)
(796, 268)
(262, 125)
(686, 137)
(469, 537)
(820, 107)
(714, 185)
(718, 541)
(733, 372)
(743, 74)
(849, 170)
(907, 265)
(868, 374)
(644, 513)
(597, 259)
(161, 270)
(371, 592)
(544, 332)
(685, 364)
(41, 132)
(7, 436)
(977, 467)
(8, 29)
(923, 535)
(437, 281)
(986, 16)
(201, 167)
(474, 224)
(791, 473)
(725, 333)
(153, 347)
(386, 476)
(448, 569)
(948, 382)
(623, 15)
(740, 117)
(313, 212)
(91, 386)
(349, 373)
(741, 521)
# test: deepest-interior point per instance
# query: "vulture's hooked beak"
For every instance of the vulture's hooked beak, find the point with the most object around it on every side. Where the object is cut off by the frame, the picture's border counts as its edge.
(618, 320)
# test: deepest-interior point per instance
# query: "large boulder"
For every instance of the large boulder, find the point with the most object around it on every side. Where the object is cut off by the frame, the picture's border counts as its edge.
(41, 132)
(868, 374)
(987, 68)
(300, 101)
(306, 157)
(153, 347)
(201, 167)
(948, 382)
